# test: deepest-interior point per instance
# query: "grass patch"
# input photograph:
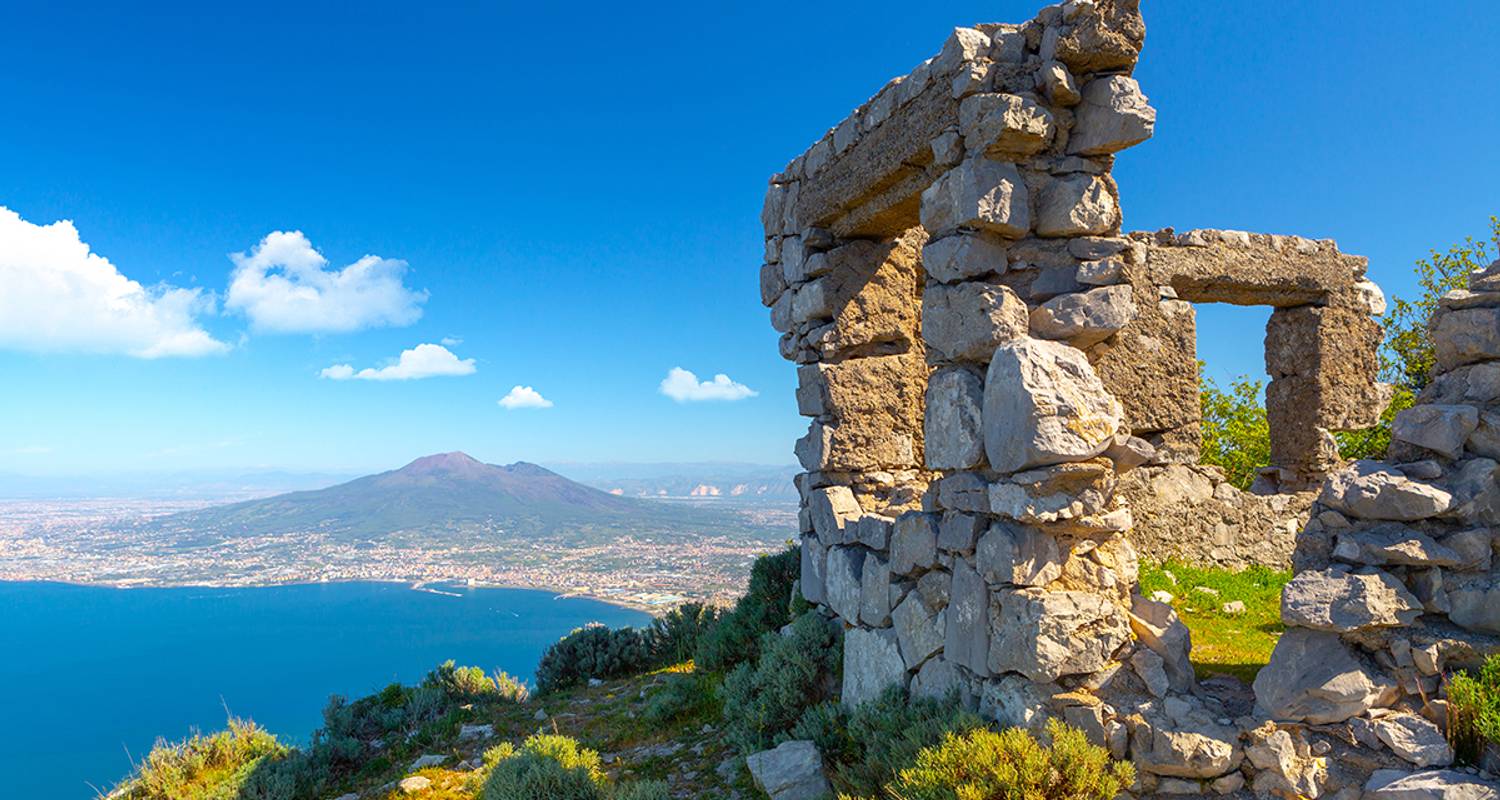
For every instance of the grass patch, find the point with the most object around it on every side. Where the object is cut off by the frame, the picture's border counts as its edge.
(1236, 644)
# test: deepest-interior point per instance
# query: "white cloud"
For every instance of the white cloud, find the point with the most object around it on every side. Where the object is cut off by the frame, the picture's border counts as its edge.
(282, 286)
(524, 397)
(451, 341)
(58, 296)
(684, 387)
(422, 361)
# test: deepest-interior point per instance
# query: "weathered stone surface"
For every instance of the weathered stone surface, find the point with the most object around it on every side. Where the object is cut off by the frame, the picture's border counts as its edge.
(1159, 629)
(1097, 37)
(875, 592)
(937, 679)
(966, 640)
(1315, 678)
(1464, 336)
(914, 543)
(1440, 428)
(1151, 670)
(845, 573)
(1258, 269)
(1045, 635)
(1013, 701)
(869, 297)
(1395, 784)
(790, 771)
(873, 531)
(1085, 318)
(1057, 84)
(834, 512)
(958, 532)
(1004, 126)
(964, 491)
(1392, 544)
(872, 414)
(978, 193)
(966, 321)
(1476, 605)
(1114, 115)
(872, 664)
(934, 587)
(919, 630)
(964, 255)
(1057, 493)
(1372, 490)
(951, 431)
(1017, 555)
(1044, 405)
(1415, 739)
(814, 570)
(1186, 741)
(1287, 765)
(1336, 600)
(1076, 205)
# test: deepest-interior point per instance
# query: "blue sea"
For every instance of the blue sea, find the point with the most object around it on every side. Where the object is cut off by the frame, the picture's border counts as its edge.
(92, 675)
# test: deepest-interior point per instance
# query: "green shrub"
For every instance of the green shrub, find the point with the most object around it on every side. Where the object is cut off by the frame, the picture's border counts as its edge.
(1236, 435)
(593, 651)
(1474, 710)
(674, 636)
(227, 765)
(682, 697)
(866, 747)
(793, 673)
(985, 765)
(471, 683)
(642, 790)
(766, 606)
(545, 767)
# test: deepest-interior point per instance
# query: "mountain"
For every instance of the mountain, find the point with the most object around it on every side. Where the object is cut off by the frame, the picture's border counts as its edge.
(729, 483)
(435, 492)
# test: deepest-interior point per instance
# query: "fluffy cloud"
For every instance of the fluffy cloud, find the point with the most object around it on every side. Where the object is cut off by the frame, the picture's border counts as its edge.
(58, 296)
(684, 387)
(422, 361)
(282, 286)
(524, 397)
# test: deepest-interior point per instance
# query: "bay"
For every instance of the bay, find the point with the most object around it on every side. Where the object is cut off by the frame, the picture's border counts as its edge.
(95, 674)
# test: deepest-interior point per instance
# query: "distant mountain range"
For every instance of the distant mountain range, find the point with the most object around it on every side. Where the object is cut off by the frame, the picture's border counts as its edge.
(438, 492)
(741, 484)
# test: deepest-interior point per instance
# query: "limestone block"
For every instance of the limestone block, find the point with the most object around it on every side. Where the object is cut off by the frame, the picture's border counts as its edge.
(1476, 605)
(792, 254)
(964, 491)
(1437, 784)
(1113, 115)
(964, 255)
(1045, 635)
(845, 577)
(869, 294)
(772, 284)
(1314, 677)
(834, 512)
(875, 592)
(914, 543)
(1098, 37)
(781, 312)
(1151, 367)
(873, 531)
(1084, 318)
(811, 389)
(1044, 405)
(814, 570)
(959, 532)
(951, 433)
(872, 664)
(936, 680)
(1185, 740)
(790, 771)
(1076, 205)
(1055, 494)
(1004, 126)
(919, 630)
(873, 407)
(934, 587)
(1414, 739)
(1341, 601)
(1465, 336)
(1286, 763)
(1372, 490)
(979, 193)
(1441, 428)
(1474, 548)
(966, 640)
(1012, 701)
(966, 321)
(1103, 272)
(1017, 555)
(1395, 545)
(1159, 629)
(964, 44)
(1057, 84)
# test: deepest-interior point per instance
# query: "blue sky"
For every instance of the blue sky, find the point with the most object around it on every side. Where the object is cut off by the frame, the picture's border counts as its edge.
(576, 190)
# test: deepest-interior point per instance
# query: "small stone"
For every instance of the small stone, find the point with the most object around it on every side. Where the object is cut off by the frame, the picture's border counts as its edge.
(1234, 608)
(1114, 115)
(414, 784)
(1395, 784)
(1085, 318)
(1415, 739)
(790, 771)
(1076, 205)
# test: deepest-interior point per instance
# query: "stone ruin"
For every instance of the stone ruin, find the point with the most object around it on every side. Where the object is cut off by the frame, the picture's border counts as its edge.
(1005, 415)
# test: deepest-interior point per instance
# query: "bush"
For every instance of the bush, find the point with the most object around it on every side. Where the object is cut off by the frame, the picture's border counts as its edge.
(593, 651)
(227, 765)
(1408, 357)
(868, 746)
(1474, 711)
(551, 767)
(766, 606)
(684, 696)
(1236, 435)
(675, 635)
(792, 674)
(984, 765)
(471, 683)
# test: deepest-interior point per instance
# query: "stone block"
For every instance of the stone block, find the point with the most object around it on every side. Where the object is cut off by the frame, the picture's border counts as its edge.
(966, 640)
(1314, 677)
(1017, 555)
(966, 321)
(919, 630)
(1076, 205)
(1044, 405)
(1113, 115)
(872, 664)
(1085, 318)
(952, 435)
(845, 578)
(875, 592)
(1045, 635)
(914, 543)
(1004, 126)
(814, 570)
(964, 255)
(978, 193)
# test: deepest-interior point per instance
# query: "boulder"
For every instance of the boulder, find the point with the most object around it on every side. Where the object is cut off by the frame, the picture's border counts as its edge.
(1158, 627)
(966, 638)
(1395, 784)
(937, 680)
(919, 630)
(814, 570)
(790, 771)
(1045, 635)
(1372, 490)
(1017, 555)
(1337, 600)
(1184, 740)
(964, 255)
(978, 193)
(1394, 545)
(966, 321)
(1085, 318)
(914, 543)
(845, 573)
(1465, 336)
(1077, 204)
(951, 432)
(1314, 677)
(875, 592)
(1004, 126)
(1288, 767)
(1012, 701)
(872, 664)
(1112, 116)
(1475, 605)
(1415, 739)
(1043, 405)
(1442, 429)
(833, 510)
